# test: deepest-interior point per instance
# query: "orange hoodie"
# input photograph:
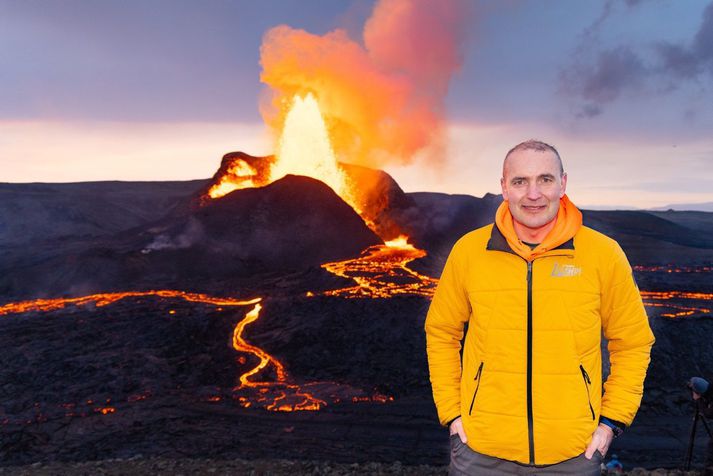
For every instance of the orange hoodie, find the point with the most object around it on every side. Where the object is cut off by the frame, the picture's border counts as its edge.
(569, 221)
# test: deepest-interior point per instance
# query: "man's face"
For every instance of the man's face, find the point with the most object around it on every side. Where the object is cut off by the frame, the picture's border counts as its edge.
(533, 185)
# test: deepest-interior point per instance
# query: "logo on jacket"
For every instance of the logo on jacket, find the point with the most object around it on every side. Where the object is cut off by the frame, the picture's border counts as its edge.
(565, 270)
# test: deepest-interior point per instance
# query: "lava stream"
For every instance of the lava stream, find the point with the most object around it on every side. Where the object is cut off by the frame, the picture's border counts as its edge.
(382, 272)
(290, 393)
(104, 299)
(654, 298)
(288, 396)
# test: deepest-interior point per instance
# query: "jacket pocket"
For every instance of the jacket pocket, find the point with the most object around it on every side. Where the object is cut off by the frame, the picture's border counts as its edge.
(477, 386)
(587, 382)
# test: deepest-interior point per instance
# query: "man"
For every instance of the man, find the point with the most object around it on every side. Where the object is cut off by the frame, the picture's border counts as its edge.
(536, 289)
(702, 394)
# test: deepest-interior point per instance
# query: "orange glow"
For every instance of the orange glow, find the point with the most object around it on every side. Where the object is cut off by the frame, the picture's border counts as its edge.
(673, 269)
(654, 298)
(664, 295)
(382, 272)
(375, 398)
(400, 243)
(304, 148)
(383, 95)
(298, 400)
(104, 299)
(279, 396)
(138, 397)
(239, 175)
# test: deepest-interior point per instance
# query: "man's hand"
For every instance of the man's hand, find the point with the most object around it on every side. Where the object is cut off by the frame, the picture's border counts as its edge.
(457, 427)
(601, 439)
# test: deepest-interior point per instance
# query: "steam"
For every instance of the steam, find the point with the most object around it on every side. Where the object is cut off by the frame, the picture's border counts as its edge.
(191, 234)
(383, 101)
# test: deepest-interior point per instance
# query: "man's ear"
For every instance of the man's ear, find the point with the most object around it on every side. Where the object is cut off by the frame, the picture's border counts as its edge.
(564, 184)
(503, 187)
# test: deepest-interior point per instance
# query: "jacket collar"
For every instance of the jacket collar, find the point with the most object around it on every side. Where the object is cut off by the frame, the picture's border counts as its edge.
(497, 242)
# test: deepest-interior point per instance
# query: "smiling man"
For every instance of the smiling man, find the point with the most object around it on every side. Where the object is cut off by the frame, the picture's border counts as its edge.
(536, 289)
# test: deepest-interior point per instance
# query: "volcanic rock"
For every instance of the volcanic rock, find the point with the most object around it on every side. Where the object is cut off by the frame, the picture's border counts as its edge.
(442, 219)
(261, 166)
(31, 212)
(655, 238)
(382, 201)
(292, 224)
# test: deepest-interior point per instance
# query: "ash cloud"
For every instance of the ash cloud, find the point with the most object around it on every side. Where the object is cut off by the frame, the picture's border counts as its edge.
(383, 99)
(606, 75)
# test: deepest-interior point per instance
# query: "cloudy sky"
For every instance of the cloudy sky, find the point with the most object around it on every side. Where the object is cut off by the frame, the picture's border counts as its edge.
(161, 89)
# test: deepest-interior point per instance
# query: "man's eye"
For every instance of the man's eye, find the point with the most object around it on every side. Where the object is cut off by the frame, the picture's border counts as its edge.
(518, 182)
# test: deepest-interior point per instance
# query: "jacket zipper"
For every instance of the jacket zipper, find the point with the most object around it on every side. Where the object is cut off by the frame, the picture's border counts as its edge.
(477, 377)
(530, 424)
(530, 429)
(587, 383)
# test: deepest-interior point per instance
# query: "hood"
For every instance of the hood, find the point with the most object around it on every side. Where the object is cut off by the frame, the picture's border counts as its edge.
(568, 222)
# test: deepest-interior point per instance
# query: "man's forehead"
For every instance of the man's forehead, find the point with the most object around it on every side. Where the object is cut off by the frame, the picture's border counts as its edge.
(531, 163)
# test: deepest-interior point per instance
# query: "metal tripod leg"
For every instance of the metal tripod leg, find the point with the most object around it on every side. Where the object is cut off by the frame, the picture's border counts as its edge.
(705, 425)
(691, 440)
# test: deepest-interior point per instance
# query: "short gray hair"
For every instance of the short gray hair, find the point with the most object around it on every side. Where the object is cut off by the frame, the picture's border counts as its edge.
(538, 146)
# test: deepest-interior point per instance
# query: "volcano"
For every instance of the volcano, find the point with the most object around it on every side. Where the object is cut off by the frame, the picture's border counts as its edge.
(292, 224)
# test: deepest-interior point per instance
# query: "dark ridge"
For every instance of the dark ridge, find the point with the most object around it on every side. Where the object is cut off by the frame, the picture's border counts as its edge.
(292, 224)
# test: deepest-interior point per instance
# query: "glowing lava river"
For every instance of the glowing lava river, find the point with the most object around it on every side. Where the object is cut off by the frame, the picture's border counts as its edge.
(381, 272)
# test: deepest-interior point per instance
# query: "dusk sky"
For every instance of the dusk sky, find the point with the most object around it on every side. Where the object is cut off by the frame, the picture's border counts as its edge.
(161, 89)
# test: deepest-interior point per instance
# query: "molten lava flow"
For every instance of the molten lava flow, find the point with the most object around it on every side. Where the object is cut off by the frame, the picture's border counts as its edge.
(654, 298)
(103, 299)
(381, 272)
(239, 175)
(670, 268)
(289, 396)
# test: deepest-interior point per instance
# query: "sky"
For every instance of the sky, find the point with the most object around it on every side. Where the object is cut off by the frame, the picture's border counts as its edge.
(161, 89)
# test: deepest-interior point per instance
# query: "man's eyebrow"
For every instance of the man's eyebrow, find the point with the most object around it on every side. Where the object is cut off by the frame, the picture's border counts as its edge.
(546, 176)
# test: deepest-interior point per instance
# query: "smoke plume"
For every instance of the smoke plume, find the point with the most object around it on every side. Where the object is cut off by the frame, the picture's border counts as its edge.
(383, 100)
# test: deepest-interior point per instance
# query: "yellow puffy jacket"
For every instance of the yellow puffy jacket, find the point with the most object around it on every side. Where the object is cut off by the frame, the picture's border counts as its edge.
(530, 385)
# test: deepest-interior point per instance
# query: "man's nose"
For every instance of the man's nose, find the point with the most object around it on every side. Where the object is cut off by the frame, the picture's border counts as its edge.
(533, 191)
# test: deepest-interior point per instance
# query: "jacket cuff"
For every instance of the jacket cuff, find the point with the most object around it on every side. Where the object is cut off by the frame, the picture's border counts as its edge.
(616, 426)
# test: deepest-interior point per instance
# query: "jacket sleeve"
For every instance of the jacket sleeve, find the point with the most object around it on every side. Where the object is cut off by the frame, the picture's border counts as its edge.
(447, 315)
(626, 327)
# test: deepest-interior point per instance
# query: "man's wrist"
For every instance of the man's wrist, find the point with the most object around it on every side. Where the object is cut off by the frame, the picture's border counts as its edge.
(448, 425)
(616, 427)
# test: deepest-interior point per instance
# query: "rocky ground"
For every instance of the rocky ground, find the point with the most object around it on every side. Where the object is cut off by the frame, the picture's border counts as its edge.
(177, 467)
(147, 383)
